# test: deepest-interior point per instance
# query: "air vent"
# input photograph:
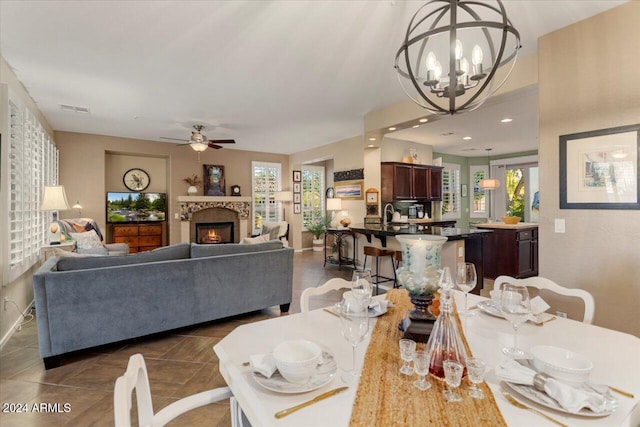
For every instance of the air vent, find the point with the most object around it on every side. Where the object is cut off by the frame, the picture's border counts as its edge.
(470, 149)
(73, 109)
(447, 133)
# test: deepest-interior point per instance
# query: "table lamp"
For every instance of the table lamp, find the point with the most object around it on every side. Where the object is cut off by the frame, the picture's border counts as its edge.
(333, 205)
(284, 197)
(54, 200)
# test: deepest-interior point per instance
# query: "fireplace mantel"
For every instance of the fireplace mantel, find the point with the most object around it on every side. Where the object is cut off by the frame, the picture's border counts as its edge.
(190, 204)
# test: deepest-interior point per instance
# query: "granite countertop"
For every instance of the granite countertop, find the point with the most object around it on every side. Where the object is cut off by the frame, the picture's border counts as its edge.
(503, 226)
(452, 233)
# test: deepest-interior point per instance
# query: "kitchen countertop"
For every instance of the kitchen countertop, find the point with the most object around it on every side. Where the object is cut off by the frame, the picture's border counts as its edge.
(382, 231)
(503, 226)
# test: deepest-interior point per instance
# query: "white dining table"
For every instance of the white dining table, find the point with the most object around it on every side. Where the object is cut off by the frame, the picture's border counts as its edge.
(615, 356)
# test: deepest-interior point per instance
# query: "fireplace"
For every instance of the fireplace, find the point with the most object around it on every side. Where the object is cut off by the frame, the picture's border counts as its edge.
(209, 209)
(211, 233)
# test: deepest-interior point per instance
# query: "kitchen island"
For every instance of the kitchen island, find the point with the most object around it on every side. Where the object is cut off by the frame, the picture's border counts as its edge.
(463, 244)
(512, 249)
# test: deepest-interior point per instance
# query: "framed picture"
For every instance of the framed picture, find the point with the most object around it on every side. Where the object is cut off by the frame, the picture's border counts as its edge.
(297, 208)
(297, 187)
(465, 190)
(297, 176)
(348, 190)
(296, 198)
(213, 179)
(599, 169)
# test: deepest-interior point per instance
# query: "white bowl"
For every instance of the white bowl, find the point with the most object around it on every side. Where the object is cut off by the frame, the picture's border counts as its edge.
(297, 360)
(561, 364)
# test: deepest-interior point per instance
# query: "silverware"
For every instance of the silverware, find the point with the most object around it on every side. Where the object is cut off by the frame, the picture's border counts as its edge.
(330, 312)
(318, 398)
(622, 392)
(517, 404)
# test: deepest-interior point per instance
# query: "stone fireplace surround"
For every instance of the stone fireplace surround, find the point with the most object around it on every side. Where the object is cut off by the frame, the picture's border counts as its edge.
(188, 205)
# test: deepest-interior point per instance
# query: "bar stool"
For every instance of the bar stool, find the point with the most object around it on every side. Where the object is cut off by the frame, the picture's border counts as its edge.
(398, 258)
(377, 253)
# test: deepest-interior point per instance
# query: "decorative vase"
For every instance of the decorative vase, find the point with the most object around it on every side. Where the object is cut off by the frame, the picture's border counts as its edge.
(192, 190)
(420, 276)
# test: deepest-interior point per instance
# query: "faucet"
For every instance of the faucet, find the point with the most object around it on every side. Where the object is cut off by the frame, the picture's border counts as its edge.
(384, 213)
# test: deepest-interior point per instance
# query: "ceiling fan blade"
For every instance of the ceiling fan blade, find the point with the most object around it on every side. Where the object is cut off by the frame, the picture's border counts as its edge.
(216, 146)
(173, 139)
(222, 141)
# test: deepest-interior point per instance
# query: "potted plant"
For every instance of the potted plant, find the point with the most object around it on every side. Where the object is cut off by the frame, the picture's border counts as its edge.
(316, 227)
(193, 182)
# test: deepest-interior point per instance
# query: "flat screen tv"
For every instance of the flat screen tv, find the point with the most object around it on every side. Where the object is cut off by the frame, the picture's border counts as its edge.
(136, 207)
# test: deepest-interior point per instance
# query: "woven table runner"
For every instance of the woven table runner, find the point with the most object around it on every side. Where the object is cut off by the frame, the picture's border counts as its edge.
(387, 398)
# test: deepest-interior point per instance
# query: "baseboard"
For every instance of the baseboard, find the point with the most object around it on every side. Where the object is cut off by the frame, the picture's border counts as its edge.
(5, 339)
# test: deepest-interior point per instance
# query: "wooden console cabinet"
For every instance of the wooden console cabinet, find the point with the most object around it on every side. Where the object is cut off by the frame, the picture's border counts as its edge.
(510, 251)
(139, 237)
(407, 181)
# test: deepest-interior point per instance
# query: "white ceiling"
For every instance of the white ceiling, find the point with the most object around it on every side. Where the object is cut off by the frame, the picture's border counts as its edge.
(277, 76)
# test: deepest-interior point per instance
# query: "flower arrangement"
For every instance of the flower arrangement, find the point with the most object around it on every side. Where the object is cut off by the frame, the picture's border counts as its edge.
(193, 180)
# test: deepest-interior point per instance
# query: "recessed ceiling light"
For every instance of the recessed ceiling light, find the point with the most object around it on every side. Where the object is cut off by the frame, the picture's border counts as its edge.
(415, 126)
(424, 120)
(506, 120)
(372, 139)
(370, 146)
(467, 138)
(392, 128)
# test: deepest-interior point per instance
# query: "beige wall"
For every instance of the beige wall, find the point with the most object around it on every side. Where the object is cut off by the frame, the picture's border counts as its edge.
(589, 80)
(86, 177)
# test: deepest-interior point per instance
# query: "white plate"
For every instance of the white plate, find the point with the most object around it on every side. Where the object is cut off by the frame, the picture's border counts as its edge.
(490, 308)
(543, 399)
(373, 311)
(325, 372)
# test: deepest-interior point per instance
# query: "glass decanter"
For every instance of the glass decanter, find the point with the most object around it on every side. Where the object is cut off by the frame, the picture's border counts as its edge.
(445, 341)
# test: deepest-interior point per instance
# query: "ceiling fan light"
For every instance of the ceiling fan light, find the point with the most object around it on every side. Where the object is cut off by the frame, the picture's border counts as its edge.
(489, 184)
(198, 146)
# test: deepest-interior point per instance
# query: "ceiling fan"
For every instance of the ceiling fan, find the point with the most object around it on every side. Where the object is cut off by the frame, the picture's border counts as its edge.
(199, 141)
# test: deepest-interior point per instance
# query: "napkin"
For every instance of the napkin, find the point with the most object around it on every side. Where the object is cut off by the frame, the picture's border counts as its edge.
(570, 398)
(263, 364)
(378, 308)
(538, 308)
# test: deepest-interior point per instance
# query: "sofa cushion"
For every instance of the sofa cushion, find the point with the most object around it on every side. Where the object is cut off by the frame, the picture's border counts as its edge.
(179, 251)
(255, 240)
(200, 251)
(87, 240)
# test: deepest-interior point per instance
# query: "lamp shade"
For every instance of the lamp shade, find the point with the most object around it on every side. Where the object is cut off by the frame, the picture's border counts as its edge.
(334, 204)
(199, 146)
(283, 196)
(54, 199)
(489, 184)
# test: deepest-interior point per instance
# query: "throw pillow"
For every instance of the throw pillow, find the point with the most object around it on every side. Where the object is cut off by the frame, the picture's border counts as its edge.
(254, 240)
(61, 253)
(87, 240)
(272, 232)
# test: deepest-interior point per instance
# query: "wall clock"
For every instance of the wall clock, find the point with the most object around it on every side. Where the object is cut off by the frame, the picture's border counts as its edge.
(136, 179)
(371, 196)
(235, 190)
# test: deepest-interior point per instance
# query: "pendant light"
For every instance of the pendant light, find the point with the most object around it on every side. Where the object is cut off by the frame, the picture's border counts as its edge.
(489, 183)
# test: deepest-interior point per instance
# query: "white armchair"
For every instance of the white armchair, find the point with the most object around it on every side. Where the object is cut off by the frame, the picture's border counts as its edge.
(282, 233)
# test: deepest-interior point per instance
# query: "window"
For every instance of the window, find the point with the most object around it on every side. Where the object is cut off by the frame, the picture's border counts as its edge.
(479, 200)
(32, 164)
(451, 191)
(266, 181)
(312, 193)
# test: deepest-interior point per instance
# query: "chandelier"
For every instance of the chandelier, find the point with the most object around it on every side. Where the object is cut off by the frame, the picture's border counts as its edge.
(445, 30)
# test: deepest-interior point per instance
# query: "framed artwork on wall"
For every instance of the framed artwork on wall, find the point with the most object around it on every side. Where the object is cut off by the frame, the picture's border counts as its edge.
(213, 180)
(297, 198)
(465, 190)
(348, 190)
(297, 187)
(599, 169)
(297, 208)
(297, 176)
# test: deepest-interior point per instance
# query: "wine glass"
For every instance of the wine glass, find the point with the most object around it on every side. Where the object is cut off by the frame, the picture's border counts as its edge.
(515, 306)
(466, 279)
(407, 349)
(421, 361)
(354, 324)
(446, 281)
(452, 376)
(476, 368)
(361, 285)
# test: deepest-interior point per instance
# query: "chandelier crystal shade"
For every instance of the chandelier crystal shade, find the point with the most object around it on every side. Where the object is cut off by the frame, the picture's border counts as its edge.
(440, 37)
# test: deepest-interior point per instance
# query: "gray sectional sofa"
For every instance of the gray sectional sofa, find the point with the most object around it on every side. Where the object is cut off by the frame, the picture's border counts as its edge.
(84, 302)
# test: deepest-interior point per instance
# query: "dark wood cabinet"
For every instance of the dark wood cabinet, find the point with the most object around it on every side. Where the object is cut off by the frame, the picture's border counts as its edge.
(405, 181)
(512, 252)
(139, 237)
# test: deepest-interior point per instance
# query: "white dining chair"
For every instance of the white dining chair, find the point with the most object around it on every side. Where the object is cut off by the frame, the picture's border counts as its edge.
(136, 378)
(334, 284)
(541, 283)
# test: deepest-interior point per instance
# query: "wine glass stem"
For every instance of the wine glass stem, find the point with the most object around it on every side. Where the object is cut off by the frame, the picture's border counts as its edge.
(515, 336)
(354, 358)
(466, 306)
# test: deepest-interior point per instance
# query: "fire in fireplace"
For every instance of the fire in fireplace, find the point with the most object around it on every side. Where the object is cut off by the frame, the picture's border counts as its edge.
(212, 233)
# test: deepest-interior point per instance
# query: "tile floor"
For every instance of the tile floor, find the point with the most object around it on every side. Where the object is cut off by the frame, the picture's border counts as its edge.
(179, 364)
